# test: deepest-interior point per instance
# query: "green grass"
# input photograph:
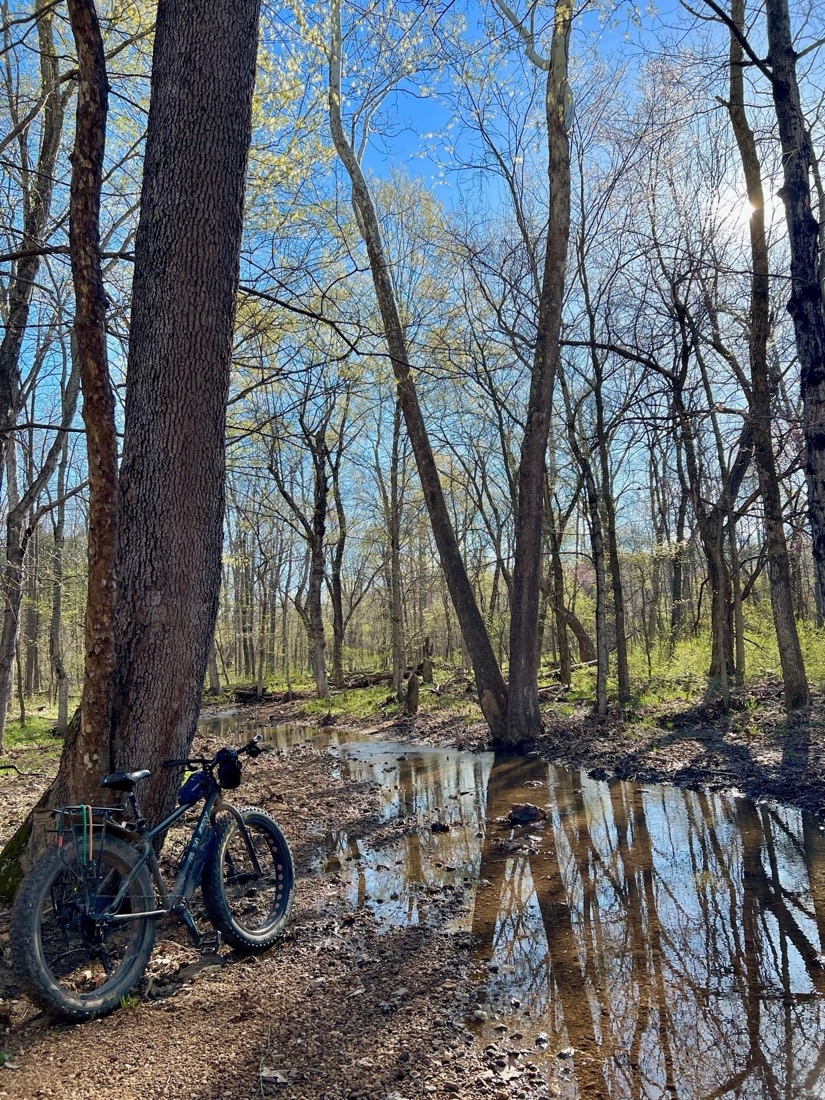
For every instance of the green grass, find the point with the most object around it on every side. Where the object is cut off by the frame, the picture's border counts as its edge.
(33, 744)
(354, 703)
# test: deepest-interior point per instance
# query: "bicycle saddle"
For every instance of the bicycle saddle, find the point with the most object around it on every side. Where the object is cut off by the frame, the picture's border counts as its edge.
(123, 781)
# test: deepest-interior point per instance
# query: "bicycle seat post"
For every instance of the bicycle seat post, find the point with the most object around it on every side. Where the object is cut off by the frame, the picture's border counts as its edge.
(140, 821)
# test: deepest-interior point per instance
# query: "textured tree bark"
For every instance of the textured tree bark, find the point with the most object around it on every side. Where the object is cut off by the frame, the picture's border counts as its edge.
(779, 571)
(183, 305)
(523, 715)
(489, 681)
(80, 772)
(55, 645)
(806, 305)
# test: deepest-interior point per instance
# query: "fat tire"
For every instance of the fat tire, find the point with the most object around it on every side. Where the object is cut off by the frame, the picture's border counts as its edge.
(223, 899)
(55, 876)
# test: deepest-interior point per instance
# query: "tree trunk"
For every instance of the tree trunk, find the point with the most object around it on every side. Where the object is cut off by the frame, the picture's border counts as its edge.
(183, 306)
(80, 772)
(806, 305)
(336, 567)
(315, 623)
(736, 596)
(426, 662)
(559, 607)
(262, 577)
(597, 546)
(31, 624)
(677, 600)
(55, 642)
(523, 716)
(779, 572)
(13, 592)
(212, 671)
(721, 596)
(602, 446)
(489, 681)
(394, 526)
(587, 651)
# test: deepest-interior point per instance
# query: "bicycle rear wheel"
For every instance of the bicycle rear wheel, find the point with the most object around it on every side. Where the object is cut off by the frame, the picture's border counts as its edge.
(249, 904)
(73, 965)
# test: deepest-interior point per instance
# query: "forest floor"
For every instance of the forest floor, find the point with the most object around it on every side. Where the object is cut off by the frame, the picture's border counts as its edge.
(340, 1009)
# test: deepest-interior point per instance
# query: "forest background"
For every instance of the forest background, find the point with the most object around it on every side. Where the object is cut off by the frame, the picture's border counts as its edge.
(671, 491)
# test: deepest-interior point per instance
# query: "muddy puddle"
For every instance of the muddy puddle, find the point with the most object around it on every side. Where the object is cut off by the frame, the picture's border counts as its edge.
(638, 941)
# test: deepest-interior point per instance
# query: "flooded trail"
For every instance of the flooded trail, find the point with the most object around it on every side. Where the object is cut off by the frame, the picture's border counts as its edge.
(632, 940)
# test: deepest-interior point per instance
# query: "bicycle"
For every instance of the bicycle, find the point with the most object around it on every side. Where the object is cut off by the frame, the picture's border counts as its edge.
(85, 918)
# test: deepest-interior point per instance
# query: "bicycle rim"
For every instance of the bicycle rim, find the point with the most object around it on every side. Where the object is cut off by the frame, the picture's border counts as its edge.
(75, 964)
(255, 901)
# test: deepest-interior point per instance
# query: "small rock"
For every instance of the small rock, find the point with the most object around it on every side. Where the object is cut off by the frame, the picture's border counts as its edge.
(523, 812)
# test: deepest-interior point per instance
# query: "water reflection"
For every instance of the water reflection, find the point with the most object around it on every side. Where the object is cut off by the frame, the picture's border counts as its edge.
(670, 938)
(642, 941)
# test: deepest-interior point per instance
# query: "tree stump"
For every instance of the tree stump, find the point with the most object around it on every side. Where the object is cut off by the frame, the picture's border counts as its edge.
(411, 699)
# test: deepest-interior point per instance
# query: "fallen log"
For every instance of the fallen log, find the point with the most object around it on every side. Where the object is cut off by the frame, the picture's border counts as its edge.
(368, 680)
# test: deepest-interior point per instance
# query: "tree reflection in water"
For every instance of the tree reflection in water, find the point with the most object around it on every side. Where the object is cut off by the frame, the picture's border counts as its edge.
(671, 938)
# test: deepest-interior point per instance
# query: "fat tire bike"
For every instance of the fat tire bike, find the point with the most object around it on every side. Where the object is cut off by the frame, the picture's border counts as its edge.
(85, 918)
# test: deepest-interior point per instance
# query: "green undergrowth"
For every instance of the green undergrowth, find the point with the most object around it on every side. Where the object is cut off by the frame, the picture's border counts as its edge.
(377, 703)
(681, 676)
(33, 742)
(351, 703)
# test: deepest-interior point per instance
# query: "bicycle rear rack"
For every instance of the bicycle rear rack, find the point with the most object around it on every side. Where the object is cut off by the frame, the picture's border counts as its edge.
(87, 826)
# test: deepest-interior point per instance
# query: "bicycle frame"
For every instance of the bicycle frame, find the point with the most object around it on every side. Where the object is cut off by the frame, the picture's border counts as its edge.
(190, 869)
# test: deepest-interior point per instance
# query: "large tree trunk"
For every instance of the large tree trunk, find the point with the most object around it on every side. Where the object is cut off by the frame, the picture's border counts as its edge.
(806, 305)
(80, 770)
(183, 305)
(523, 716)
(489, 681)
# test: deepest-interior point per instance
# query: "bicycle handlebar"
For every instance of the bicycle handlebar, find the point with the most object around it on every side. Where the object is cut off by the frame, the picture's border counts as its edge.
(252, 748)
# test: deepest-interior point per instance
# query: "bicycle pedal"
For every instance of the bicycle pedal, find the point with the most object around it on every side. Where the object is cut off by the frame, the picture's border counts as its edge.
(210, 943)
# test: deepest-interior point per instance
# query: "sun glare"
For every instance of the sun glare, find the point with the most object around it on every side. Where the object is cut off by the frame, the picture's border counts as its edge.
(734, 208)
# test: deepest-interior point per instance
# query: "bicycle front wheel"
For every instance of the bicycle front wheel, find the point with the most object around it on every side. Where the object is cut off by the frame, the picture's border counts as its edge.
(72, 963)
(249, 882)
